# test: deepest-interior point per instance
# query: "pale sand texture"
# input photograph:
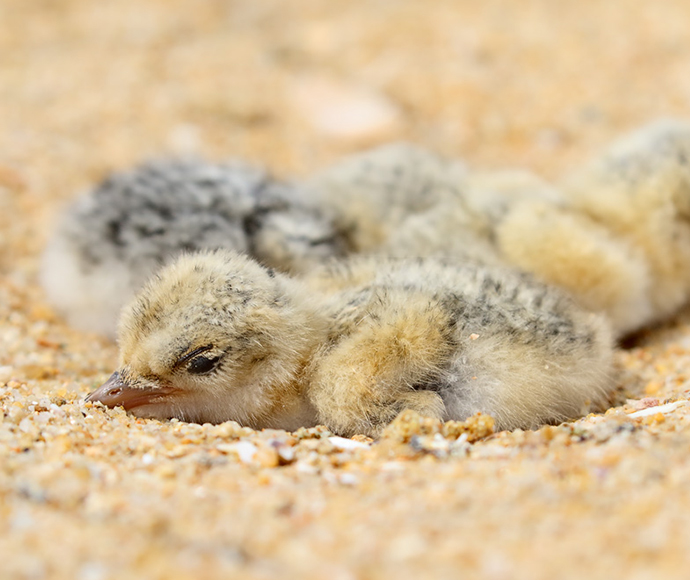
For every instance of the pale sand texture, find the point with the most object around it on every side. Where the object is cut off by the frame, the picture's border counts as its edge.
(88, 494)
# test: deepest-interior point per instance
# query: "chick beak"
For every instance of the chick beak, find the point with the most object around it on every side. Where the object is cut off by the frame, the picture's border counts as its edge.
(116, 392)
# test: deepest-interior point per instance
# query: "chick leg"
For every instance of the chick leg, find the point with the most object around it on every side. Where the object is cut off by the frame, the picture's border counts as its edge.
(386, 364)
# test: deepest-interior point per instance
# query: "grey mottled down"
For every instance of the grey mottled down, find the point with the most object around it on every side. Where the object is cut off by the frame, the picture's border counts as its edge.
(113, 238)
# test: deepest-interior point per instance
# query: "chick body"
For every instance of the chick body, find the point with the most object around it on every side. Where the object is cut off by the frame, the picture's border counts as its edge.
(357, 342)
(449, 340)
(639, 191)
(112, 239)
(563, 247)
(372, 193)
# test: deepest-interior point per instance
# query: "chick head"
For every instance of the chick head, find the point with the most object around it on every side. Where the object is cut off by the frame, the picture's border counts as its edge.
(213, 337)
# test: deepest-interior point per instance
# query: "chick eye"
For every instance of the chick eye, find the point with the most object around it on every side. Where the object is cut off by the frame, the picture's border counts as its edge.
(201, 364)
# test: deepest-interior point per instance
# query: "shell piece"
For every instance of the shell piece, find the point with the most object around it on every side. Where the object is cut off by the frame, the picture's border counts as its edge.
(667, 408)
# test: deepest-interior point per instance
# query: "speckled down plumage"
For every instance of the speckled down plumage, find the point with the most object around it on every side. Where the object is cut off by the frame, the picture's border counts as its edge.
(112, 239)
(381, 335)
(613, 233)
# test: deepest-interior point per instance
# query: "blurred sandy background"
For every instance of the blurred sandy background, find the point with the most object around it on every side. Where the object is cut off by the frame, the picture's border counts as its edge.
(91, 86)
(87, 87)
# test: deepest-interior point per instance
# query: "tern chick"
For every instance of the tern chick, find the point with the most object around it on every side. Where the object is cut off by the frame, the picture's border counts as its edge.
(614, 234)
(639, 191)
(216, 336)
(112, 239)
(399, 200)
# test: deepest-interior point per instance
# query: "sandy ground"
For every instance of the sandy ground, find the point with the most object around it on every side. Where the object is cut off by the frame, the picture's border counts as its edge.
(89, 494)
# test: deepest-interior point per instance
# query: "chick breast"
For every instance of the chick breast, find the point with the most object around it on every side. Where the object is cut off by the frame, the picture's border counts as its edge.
(112, 239)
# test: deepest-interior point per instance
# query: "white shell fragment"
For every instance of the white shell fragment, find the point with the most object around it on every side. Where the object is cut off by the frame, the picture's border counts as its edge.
(244, 450)
(347, 444)
(667, 408)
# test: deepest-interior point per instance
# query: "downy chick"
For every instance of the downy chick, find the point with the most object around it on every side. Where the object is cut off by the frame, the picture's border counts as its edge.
(215, 337)
(621, 242)
(112, 239)
(400, 200)
(614, 234)
(639, 190)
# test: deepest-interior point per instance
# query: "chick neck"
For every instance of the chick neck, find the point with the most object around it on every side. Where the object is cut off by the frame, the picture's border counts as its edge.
(281, 380)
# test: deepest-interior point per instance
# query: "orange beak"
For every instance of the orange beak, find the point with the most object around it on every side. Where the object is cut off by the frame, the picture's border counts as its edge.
(116, 392)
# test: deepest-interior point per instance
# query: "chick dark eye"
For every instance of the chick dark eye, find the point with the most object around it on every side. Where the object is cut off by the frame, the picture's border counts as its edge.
(201, 364)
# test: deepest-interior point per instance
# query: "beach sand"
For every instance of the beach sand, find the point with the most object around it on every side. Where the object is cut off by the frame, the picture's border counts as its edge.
(93, 494)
